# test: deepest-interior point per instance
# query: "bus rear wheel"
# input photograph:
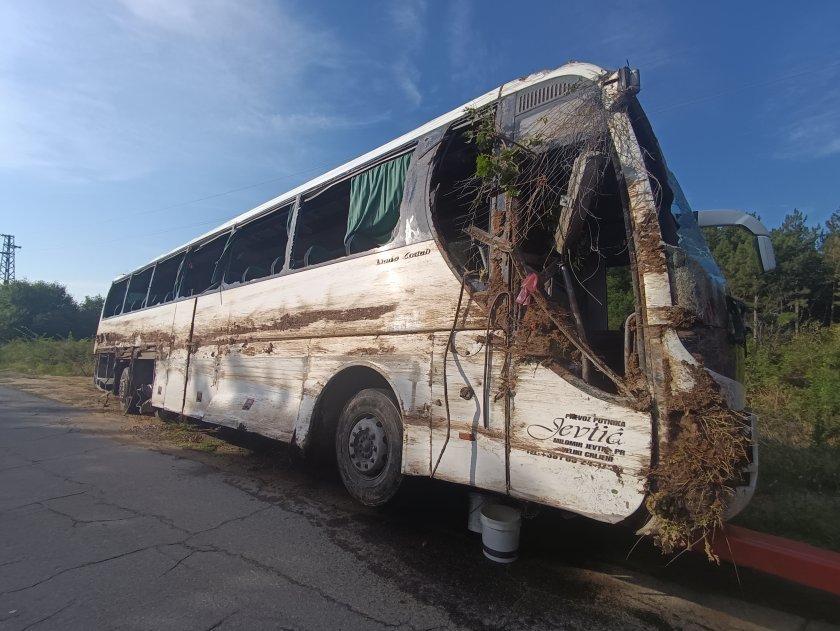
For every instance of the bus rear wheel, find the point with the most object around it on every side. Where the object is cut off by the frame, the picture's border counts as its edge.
(368, 447)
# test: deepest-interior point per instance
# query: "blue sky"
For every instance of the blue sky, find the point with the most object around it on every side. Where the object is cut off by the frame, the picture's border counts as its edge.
(131, 126)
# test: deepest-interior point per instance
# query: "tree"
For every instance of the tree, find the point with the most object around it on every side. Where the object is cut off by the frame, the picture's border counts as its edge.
(831, 256)
(36, 309)
(89, 311)
(735, 252)
(800, 282)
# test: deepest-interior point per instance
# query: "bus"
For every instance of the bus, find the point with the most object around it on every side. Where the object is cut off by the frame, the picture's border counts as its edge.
(515, 296)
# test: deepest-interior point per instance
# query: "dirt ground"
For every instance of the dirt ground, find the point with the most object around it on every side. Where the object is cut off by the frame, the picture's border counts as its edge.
(106, 418)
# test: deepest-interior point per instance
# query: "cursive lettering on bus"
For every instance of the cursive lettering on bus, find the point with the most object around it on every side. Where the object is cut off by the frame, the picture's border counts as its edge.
(567, 429)
(411, 255)
(406, 256)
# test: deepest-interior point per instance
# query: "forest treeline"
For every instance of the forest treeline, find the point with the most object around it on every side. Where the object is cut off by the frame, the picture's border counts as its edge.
(803, 289)
(43, 330)
(38, 309)
(793, 373)
(793, 367)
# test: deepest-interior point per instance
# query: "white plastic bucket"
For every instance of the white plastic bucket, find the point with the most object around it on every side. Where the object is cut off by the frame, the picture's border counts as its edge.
(477, 501)
(500, 532)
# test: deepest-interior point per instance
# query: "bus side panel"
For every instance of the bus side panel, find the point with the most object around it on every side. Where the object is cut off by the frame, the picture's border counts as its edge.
(146, 329)
(404, 290)
(203, 379)
(257, 385)
(576, 451)
(178, 358)
(404, 360)
(474, 454)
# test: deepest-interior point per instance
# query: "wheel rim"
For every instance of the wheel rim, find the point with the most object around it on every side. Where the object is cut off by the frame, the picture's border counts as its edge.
(368, 446)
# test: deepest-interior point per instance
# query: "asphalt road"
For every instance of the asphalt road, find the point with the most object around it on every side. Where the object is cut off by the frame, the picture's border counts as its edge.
(96, 533)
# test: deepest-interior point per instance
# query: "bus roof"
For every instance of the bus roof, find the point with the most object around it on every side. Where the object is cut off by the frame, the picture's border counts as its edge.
(579, 69)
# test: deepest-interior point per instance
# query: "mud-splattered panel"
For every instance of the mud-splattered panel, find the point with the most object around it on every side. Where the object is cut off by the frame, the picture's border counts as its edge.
(404, 360)
(474, 454)
(574, 450)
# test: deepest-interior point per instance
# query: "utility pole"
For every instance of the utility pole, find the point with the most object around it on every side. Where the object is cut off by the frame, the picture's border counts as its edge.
(7, 262)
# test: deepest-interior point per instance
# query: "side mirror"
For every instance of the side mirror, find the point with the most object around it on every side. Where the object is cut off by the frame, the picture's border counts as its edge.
(719, 218)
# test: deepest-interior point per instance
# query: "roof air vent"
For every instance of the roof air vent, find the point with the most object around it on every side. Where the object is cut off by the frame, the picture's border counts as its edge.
(544, 93)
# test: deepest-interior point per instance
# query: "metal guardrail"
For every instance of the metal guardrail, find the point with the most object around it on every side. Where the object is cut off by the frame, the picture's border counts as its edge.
(785, 558)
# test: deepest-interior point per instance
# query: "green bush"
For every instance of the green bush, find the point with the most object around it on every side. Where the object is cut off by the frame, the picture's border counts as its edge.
(46, 356)
(796, 385)
(794, 388)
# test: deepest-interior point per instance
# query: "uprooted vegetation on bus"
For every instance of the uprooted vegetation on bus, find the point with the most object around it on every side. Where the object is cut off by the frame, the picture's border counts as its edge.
(553, 202)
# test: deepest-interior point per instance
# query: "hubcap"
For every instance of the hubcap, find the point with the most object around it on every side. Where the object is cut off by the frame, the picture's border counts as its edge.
(368, 446)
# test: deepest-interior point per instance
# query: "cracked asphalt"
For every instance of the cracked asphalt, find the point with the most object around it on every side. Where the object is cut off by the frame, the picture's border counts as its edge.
(98, 533)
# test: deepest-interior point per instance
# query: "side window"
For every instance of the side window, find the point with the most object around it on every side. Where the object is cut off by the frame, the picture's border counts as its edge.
(352, 216)
(258, 248)
(163, 281)
(114, 301)
(196, 273)
(321, 226)
(138, 288)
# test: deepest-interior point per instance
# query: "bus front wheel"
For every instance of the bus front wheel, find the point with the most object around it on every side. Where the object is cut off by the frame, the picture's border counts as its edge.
(368, 447)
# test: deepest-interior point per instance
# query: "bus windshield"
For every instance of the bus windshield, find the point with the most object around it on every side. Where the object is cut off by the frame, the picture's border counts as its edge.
(691, 238)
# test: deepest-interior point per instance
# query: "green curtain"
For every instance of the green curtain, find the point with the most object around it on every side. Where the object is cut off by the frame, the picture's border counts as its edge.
(375, 197)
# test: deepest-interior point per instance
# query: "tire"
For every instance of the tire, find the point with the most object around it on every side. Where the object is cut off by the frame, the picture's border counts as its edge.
(129, 400)
(368, 447)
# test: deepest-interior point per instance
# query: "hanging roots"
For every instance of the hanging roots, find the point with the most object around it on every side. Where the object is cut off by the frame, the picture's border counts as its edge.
(691, 485)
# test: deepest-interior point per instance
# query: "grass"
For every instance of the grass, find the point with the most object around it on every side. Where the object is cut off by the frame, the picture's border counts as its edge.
(45, 356)
(189, 436)
(795, 390)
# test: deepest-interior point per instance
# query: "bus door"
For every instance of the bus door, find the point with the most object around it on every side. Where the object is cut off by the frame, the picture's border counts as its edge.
(475, 450)
(178, 358)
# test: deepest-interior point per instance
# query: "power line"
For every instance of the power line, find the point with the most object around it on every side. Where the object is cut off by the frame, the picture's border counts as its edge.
(7, 258)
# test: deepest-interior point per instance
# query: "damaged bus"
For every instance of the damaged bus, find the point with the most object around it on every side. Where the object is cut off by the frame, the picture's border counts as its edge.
(515, 296)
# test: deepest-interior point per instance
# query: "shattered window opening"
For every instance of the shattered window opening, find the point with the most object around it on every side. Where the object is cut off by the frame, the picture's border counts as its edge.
(321, 226)
(199, 265)
(354, 215)
(116, 298)
(162, 288)
(454, 206)
(555, 199)
(257, 249)
(138, 289)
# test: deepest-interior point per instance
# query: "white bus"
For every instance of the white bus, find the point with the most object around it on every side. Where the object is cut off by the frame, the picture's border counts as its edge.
(450, 305)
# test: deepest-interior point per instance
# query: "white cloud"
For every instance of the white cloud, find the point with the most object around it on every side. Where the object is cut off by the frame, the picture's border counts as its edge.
(100, 92)
(467, 54)
(303, 123)
(811, 127)
(638, 32)
(407, 19)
